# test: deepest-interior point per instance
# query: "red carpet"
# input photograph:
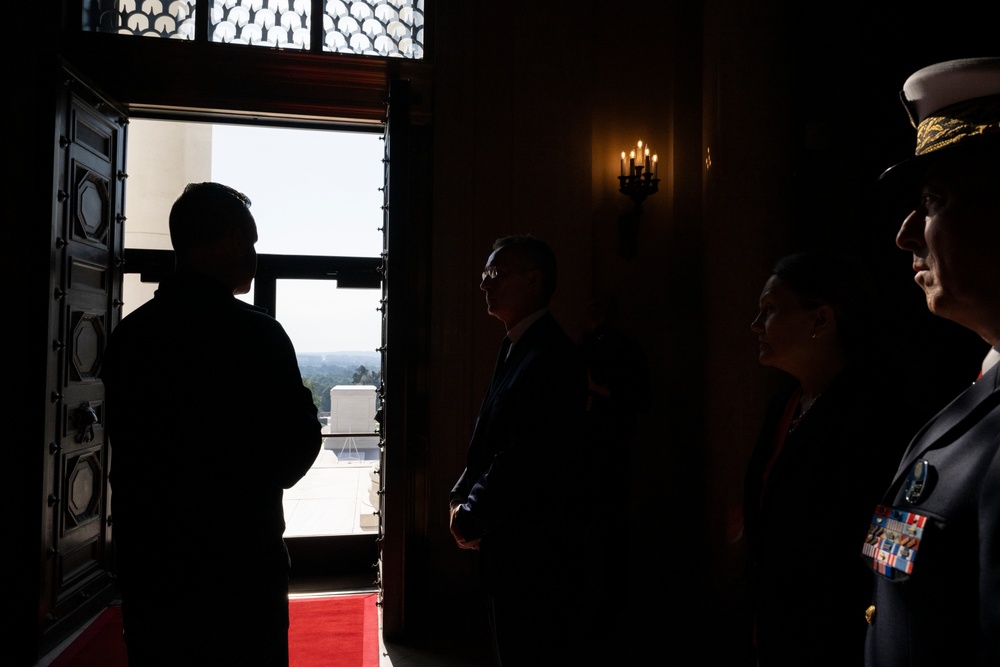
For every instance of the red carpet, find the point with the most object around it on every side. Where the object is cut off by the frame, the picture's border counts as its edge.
(330, 631)
(100, 645)
(333, 631)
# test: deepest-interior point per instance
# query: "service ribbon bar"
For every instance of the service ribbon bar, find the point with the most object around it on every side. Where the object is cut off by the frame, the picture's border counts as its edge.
(893, 540)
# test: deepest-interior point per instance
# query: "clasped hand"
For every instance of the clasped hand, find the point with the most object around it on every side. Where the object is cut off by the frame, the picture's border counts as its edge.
(457, 534)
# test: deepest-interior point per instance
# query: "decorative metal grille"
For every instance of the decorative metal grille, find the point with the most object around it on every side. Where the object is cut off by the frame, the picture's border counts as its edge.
(385, 28)
(173, 19)
(280, 23)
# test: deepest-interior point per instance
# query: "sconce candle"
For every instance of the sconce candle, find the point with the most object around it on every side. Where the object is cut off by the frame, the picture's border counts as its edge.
(641, 181)
(647, 161)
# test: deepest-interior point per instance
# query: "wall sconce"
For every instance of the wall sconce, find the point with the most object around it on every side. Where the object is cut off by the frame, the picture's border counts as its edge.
(641, 181)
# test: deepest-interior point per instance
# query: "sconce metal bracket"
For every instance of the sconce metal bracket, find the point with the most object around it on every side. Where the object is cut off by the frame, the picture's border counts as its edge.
(637, 187)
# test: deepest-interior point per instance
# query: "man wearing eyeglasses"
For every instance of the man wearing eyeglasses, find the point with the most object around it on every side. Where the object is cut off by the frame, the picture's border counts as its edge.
(518, 501)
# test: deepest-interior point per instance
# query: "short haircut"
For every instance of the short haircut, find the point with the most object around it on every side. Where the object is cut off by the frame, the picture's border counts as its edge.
(532, 253)
(205, 212)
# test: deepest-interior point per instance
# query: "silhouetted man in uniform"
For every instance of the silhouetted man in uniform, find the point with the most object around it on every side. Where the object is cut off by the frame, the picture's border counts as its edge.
(208, 422)
(934, 544)
(519, 499)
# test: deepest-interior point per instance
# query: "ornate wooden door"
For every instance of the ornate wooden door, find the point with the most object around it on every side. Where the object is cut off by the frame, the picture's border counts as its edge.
(88, 191)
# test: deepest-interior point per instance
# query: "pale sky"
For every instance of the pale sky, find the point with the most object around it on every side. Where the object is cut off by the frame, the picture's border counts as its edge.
(313, 193)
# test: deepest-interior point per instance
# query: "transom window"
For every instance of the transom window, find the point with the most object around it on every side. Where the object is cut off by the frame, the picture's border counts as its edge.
(383, 28)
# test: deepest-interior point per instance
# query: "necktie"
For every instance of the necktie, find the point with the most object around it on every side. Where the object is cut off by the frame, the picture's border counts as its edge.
(501, 357)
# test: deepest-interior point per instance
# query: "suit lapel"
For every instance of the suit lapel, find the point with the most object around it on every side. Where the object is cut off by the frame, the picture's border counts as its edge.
(506, 371)
(499, 372)
(949, 419)
(509, 360)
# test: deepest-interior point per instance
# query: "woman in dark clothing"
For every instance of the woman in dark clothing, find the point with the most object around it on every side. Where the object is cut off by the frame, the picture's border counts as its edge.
(829, 444)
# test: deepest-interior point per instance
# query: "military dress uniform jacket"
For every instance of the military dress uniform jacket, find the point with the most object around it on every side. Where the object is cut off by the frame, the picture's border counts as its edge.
(521, 484)
(946, 500)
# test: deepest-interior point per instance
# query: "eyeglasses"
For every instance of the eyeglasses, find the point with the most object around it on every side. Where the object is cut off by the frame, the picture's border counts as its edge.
(494, 272)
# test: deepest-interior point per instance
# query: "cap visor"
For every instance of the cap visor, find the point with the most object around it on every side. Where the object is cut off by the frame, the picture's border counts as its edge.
(905, 177)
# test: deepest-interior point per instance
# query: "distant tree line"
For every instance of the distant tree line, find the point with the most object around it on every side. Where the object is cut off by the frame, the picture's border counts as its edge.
(321, 377)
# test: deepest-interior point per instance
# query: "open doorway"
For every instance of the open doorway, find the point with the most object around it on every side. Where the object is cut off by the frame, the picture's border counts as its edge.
(317, 198)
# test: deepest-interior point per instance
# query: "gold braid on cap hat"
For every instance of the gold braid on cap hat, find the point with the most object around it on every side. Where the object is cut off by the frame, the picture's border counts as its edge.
(958, 124)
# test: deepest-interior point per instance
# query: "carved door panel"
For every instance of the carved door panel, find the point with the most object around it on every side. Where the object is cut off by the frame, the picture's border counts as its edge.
(86, 239)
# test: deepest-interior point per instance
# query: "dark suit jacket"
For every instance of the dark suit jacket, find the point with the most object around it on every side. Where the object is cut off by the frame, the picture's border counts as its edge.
(520, 485)
(947, 611)
(207, 414)
(208, 422)
(808, 584)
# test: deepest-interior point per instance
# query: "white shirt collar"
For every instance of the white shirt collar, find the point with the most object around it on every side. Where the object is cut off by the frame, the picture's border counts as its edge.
(992, 357)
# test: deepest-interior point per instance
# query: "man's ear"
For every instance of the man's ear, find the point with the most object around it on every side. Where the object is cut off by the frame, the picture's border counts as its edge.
(824, 322)
(534, 278)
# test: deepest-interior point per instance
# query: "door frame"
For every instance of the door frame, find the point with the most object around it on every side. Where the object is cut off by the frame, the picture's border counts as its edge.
(264, 86)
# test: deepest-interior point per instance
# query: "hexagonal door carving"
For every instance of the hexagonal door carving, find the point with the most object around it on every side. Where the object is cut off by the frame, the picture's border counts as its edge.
(83, 484)
(87, 337)
(92, 215)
